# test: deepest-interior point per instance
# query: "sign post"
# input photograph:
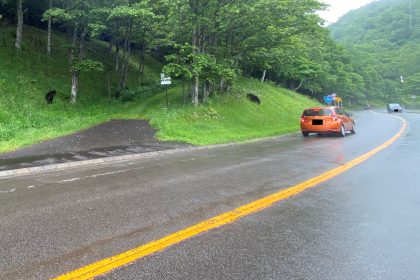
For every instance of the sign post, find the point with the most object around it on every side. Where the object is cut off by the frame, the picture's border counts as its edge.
(165, 81)
(339, 101)
(329, 99)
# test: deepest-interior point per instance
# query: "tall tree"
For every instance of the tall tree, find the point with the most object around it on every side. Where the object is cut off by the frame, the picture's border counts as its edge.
(130, 16)
(49, 30)
(54, 14)
(78, 17)
(19, 27)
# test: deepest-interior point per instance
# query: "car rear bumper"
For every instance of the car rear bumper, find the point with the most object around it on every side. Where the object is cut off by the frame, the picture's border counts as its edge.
(332, 128)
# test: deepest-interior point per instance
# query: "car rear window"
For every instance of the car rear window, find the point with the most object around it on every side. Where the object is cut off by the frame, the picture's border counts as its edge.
(317, 112)
(396, 106)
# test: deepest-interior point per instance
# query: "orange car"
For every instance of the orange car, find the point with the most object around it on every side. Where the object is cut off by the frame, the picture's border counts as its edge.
(323, 120)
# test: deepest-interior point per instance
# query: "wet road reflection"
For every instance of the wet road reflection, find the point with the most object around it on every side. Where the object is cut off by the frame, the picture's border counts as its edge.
(40, 160)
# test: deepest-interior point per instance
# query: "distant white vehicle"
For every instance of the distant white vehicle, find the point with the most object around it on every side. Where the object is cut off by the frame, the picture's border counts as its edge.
(394, 108)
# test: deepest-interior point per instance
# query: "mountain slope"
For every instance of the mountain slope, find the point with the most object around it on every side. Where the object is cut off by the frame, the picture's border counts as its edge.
(387, 22)
(384, 38)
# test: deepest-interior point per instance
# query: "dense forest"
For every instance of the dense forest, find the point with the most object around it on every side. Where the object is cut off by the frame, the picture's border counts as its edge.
(206, 44)
(383, 38)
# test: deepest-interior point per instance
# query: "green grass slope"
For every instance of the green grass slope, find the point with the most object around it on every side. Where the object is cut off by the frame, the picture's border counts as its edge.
(27, 75)
(232, 118)
(25, 118)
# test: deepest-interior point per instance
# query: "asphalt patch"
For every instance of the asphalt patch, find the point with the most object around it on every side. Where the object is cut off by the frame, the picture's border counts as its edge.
(113, 138)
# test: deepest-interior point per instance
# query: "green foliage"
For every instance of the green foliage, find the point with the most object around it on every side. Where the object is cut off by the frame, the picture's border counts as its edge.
(97, 29)
(137, 11)
(383, 38)
(382, 23)
(411, 86)
(180, 62)
(87, 65)
(209, 42)
(186, 64)
(216, 41)
(57, 14)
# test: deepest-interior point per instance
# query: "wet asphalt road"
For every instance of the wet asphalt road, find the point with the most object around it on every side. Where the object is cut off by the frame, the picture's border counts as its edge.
(363, 224)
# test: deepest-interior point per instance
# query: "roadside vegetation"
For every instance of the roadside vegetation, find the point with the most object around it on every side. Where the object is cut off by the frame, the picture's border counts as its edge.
(104, 59)
(25, 118)
(234, 117)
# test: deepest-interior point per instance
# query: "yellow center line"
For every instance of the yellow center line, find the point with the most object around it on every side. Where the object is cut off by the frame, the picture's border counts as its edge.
(109, 264)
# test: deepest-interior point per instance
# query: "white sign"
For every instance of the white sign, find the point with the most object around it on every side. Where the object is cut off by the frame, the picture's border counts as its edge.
(165, 80)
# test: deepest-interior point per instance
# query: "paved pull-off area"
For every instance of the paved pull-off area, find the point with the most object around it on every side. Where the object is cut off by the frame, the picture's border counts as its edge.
(361, 224)
(110, 139)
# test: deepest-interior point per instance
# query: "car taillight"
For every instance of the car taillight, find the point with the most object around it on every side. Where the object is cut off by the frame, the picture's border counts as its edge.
(335, 119)
(302, 120)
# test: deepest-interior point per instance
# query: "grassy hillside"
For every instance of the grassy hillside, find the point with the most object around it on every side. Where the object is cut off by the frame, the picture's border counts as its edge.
(233, 117)
(25, 118)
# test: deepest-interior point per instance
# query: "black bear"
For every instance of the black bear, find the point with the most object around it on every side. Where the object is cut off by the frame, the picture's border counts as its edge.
(253, 98)
(50, 96)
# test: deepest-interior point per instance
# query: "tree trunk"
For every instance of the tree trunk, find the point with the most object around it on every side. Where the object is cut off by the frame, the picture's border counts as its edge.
(82, 44)
(195, 91)
(19, 27)
(75, 73)
(117, 57)
(49, 32)
(141, 63)
(141, 60)
(183, 90)
(127, 54)
(300, 85)
(74, 85)
(73, 44)
(109, 85)
(263, 76)
(110, 45)
(196, 78)
(221, 89)
(127, 65)
(206, 91)
(113, 40)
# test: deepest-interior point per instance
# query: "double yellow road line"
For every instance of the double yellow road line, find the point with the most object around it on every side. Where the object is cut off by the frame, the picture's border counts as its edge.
(109, 264)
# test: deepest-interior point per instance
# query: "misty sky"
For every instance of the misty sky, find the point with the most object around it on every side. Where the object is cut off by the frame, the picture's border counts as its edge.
(340, 7)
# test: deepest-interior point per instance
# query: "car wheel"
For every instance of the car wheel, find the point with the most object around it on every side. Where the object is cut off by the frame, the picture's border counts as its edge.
(305, 134)
(353, 131)
(342, 132)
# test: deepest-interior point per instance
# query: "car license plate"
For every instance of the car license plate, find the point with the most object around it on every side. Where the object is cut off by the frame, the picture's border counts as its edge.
(317, 122)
